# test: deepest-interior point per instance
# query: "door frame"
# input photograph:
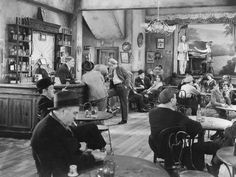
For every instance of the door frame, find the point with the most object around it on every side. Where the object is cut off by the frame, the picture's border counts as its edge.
(106, 48)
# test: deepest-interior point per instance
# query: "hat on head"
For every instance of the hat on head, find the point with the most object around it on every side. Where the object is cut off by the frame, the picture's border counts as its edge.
(188, 79)
(44, 83)
(166, 95)
(87, 65)
(65, 99)
(140, 71)
(112, 61)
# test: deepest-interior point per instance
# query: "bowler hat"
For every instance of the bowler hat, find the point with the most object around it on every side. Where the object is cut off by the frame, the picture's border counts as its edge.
(188, 79)
(44, 83)
(87, 65)
(65, 98)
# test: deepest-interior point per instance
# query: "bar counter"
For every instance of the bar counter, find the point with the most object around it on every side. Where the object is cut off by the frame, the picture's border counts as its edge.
(18, 107)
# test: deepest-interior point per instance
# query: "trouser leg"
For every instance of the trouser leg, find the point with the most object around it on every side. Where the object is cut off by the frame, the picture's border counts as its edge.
(123, 93)
(181, 66)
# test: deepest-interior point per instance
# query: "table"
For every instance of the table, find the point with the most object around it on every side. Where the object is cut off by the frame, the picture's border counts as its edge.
(228, 108)
(225, 154)
(131, 167)
(212, 123)
(100, 116)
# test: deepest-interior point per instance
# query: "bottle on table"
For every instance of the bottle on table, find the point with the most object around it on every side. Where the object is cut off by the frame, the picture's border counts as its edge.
(199, 114)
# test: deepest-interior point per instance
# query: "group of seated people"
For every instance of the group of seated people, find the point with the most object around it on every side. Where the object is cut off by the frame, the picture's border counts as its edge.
(166, 116)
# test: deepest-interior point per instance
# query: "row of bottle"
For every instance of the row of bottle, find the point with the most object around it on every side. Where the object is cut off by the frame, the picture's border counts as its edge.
(22, 66)
(23, 34)
(66, 41)
(23, 21)
(22, 51)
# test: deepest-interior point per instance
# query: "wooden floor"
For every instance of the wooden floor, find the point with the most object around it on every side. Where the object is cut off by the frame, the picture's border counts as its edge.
(129, 139)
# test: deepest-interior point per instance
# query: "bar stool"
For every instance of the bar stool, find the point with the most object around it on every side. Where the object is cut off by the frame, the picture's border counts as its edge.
(105, 128)
(195, 173)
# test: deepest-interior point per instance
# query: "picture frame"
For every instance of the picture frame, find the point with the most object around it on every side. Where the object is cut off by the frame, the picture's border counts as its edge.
(124, 57)
(150, 56)
(160, 43)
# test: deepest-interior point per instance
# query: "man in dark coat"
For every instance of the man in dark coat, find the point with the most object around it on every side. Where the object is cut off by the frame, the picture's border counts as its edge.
(46, 89)
(65, 71)
(165, 116)
(119, 86)
(56, 144)
(142, 82)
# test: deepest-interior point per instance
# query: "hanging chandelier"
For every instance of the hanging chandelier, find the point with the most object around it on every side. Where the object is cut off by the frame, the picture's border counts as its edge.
(159, 26)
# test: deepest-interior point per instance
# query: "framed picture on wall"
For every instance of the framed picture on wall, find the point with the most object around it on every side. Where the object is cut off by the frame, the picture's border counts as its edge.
(124, 57)
(160, 43)
(150, 57)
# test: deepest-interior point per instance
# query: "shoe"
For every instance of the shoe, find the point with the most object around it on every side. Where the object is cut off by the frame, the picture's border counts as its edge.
(122, 122)
(212, 170)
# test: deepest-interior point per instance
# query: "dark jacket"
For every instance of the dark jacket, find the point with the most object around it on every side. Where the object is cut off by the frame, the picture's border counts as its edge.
(57, 148)
(64, 74)
(43, 104)
(123, 75)
(146, 82)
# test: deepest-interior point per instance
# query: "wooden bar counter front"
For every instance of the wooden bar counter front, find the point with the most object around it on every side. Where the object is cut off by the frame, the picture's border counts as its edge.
(18, 107)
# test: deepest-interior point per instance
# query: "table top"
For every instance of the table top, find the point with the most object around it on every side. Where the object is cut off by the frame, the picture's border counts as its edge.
(132, 167)
(225, 154)
(228, 108)
(101, 115)
(212, 123)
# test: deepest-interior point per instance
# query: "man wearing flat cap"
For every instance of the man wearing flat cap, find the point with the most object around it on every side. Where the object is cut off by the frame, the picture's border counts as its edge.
(46, 89)
(96, 86)
(56, 142)
(119, 86)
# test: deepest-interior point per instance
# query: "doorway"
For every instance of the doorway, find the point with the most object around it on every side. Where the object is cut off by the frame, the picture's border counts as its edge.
(103, 54)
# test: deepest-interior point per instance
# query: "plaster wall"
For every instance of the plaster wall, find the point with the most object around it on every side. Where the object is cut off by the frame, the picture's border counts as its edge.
(10, 9)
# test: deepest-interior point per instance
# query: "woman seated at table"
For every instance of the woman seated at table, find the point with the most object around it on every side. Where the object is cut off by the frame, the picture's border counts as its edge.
(210, 83)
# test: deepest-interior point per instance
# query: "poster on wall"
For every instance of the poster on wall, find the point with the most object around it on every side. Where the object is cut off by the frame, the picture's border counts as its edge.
(150, 57)
(219, 40)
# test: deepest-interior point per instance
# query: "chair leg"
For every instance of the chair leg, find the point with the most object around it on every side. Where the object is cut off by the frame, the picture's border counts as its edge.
(109, 136)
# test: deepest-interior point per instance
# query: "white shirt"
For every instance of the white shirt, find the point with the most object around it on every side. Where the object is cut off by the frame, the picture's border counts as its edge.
(116, 79)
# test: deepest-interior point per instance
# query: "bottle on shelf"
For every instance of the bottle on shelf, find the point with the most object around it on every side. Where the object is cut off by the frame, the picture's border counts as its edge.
(12, 65)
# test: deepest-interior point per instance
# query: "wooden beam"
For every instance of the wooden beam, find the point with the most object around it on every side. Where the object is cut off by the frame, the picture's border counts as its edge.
(87, 5)
(54, 5)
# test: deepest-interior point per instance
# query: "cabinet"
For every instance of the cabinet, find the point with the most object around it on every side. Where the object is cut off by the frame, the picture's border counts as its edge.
(19, 52)
(63, 46)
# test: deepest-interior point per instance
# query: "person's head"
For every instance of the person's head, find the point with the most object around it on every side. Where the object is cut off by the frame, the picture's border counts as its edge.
(168, 96)
(45, 87)
(220, 85)
(70, 61)
(112, 63)
(226, 78)
(149, 71)
(183, 38)
(209, 76)
(226, 86)
(159, 78)
(66, 106)
(141, 74)
(87, 66)
(189, 79)
(160, 67)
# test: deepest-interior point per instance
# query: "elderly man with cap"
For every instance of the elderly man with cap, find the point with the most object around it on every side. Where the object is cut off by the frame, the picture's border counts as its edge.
(46, 89)
(190, 93)
(56, 141)
(120, 84)
(96, 86)
(65, 71)
(165, 116)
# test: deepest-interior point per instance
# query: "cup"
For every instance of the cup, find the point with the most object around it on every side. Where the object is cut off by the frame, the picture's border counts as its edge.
(73, 171)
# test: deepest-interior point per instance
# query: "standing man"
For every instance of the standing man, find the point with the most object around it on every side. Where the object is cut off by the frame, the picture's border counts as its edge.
(46, 89)
(119, 86)
(96, 85)
(65, 71)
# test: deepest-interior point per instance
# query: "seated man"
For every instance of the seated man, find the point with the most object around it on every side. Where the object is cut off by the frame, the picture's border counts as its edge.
(142, 82)
(190, 93)
(55, 143)
(138, 99)
(165, 116)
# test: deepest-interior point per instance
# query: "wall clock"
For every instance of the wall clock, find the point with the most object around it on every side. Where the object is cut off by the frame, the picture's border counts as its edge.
(126, 46)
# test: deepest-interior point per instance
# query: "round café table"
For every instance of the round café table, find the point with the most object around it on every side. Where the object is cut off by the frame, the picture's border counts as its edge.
(212, 123)
(226, 155)
(100, 116)
(131, 167)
